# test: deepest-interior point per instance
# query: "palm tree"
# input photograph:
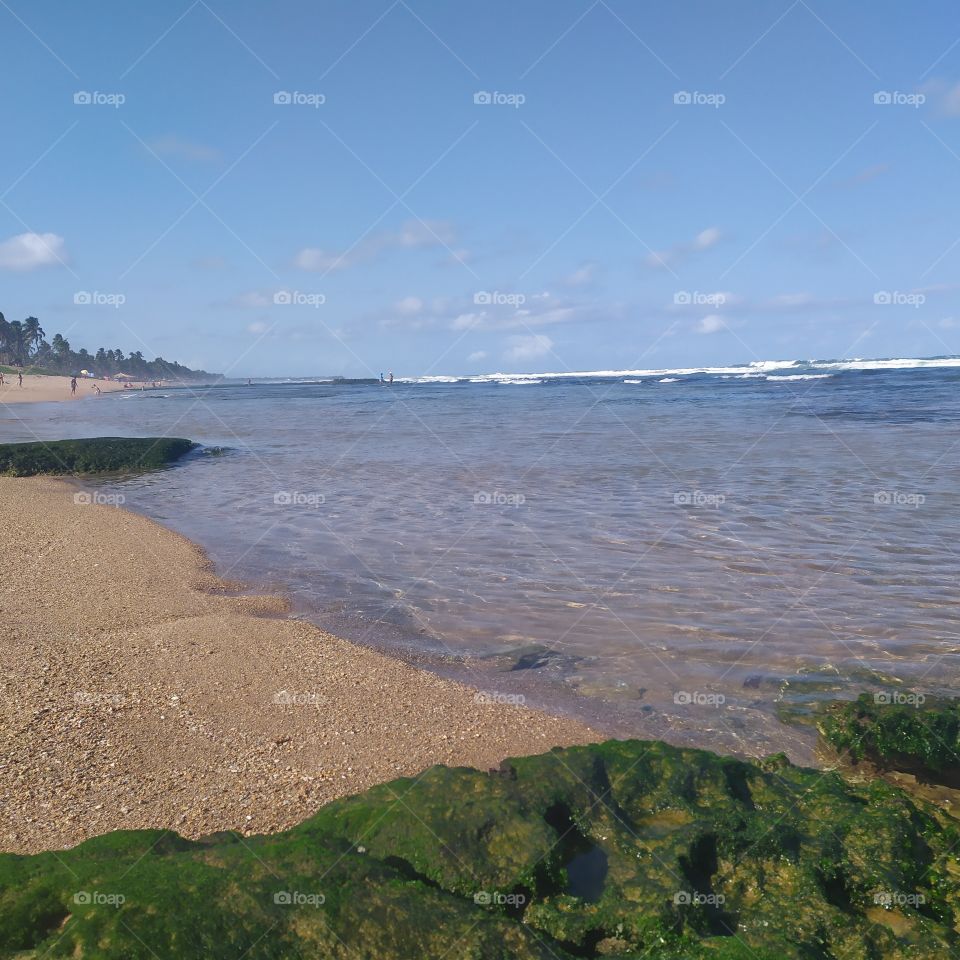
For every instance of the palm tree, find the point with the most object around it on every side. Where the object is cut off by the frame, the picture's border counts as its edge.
(16, 341)
(33, 333)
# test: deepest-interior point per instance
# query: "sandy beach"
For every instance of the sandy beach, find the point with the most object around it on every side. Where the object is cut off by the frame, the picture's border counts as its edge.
(140, 691)
(38, 389)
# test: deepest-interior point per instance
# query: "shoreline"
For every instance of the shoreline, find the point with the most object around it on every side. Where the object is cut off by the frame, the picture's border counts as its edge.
(46, 388)
(142, 691)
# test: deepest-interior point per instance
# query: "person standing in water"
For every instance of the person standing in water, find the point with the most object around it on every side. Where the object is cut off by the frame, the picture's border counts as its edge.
(391, 376)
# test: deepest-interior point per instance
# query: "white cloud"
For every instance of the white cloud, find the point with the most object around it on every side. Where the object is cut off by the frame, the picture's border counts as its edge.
(945, 94)
(173, 146)
(412, 235)
(679, 252)
(27, 251)
(713, 323)
(521, 349)
(257, 327)
(477, 356)
(409, 306)
(254, 298)
(583, 276)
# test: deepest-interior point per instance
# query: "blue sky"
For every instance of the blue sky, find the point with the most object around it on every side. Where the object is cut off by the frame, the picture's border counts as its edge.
(582, 220)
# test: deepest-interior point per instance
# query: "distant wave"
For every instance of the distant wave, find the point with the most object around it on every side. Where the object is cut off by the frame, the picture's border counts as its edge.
(669, 380)
(754, 369)
(800, 376)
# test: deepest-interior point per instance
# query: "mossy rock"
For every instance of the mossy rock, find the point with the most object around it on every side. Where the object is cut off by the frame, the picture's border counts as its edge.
(895, 731)
(91, 456)
(624, 849)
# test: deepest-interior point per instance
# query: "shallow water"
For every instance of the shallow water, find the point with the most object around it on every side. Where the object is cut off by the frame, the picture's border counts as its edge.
(693, 551)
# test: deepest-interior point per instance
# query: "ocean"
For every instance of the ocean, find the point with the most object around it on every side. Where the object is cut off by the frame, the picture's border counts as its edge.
(696, 554)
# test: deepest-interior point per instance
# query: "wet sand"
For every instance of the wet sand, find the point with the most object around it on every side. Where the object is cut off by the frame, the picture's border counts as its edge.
(139, 691)
(38, 389)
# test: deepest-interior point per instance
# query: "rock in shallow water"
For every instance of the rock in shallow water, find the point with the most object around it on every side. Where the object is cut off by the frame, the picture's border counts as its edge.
(674, 853)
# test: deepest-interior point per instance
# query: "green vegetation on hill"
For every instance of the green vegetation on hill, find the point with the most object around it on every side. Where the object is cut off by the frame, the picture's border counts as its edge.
(625, 849)
(23, 343)
(95, 455)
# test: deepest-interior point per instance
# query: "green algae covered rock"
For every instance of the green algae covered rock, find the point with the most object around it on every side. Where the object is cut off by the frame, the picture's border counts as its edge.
(896, 731)
(94, 455)
(624, 849)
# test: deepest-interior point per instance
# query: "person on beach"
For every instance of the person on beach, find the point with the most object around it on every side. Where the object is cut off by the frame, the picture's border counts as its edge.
(73, 386)
(3, 383)
(20, 378)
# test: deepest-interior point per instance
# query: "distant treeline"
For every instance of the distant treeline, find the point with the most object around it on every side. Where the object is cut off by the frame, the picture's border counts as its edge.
(24, 343)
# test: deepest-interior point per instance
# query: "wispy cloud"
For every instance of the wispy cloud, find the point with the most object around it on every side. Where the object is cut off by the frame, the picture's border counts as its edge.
(679, 252)
(521, 349)
(173, 146)
(412, 235)
(28, 251)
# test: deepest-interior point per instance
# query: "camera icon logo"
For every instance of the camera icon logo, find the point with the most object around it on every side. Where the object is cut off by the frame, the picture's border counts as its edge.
(83, 499)
(283, 498)
(682, 97)
(482, 97)
(283, 897)
(82, 896)
(482, 298)
(682, 298)
(82, 97)
(82, 298)
(283, 298)
(482, 898)
(282, 97)
(883, 297)
(882, 98)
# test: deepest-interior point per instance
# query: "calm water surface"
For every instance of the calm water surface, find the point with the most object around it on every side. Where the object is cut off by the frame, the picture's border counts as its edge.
(678, 554)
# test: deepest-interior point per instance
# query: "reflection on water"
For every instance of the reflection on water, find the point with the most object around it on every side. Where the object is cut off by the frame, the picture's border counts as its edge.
(696, 557)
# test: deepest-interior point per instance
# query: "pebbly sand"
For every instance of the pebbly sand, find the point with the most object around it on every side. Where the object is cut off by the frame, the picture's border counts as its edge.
(138, 692)
(38, 388)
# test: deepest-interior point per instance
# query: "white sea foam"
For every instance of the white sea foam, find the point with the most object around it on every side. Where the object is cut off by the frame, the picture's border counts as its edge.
(633, 381)
(669, 380)
(800, 376)
(753, 369)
